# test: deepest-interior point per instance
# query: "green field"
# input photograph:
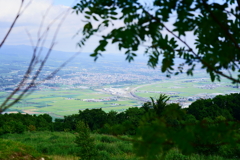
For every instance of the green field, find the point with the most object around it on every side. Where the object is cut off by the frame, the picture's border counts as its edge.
(64, 101)
(185, 88)
(61, 146)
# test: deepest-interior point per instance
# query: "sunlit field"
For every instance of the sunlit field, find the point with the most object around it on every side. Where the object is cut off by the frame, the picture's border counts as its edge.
(66, 101)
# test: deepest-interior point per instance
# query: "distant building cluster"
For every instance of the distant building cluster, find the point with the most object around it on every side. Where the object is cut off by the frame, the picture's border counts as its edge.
(96, 79)
(101, 99)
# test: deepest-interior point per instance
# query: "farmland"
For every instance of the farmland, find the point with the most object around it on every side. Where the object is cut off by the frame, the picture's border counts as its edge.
(66, 101)
(110, 84)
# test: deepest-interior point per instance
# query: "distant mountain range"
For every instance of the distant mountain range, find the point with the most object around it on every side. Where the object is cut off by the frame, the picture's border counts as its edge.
(23, 53)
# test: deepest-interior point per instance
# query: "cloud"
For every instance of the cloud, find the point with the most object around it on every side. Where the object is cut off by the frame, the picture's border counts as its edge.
(31, 19)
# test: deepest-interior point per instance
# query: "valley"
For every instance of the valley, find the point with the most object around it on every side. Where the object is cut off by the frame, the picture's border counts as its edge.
(111, 83)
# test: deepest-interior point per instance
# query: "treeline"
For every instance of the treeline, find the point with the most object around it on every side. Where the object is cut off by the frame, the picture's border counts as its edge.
(221, 107)
(19, 123)
(215, 116)
(224, 106)
(96, 119)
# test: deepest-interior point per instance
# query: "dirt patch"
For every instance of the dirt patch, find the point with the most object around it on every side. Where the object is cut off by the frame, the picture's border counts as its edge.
(31, 111)
(12, 112)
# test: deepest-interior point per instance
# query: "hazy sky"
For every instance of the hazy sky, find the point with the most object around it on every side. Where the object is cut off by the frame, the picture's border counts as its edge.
(30, 21)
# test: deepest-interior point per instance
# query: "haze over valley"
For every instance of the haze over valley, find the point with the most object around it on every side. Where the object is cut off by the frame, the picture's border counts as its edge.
(110, 83)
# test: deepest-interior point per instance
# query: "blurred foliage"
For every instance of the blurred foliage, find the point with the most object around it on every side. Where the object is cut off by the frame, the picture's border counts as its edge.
(207, 127)
(85, 142)
(161, 27)
(157, 133)
(163, 127)
(18, 151)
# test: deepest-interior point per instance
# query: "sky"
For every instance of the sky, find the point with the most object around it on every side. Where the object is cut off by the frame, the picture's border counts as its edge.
(26, 30)
(27, 27)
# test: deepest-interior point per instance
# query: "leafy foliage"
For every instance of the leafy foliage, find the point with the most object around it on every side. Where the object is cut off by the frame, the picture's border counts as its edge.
(226, 106)
(85, 142)
(157, 133)
(62, 145)
(18, 123)
(15, 150)
(207, 127)
(215, 27)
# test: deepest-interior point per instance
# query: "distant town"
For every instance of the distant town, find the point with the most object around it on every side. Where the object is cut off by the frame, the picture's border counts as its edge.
(123, 85)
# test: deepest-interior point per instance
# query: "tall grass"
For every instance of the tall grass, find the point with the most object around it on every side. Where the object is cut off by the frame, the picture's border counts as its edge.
(16, 150)
(175, 154)
(61, 146)
(50, 143)
(112, 148)
(57, 157)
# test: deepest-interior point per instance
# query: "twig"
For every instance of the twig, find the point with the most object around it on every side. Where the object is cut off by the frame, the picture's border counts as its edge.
(20, 11)
(34, 61)
(194, 53)
(224, 27)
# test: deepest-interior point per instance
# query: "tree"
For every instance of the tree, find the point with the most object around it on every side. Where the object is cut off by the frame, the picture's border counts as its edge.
(226, 106)
(112, 117)
(94, 118)
(70, 121)
(160, 132)
(161, 26)
(160, 104)
(86, 143)
(38, 59)
(13, 127)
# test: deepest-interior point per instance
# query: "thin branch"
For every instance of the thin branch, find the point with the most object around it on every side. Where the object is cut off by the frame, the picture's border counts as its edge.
(25, 77)
(20, 11)
(238, 1)
(34, 61)
(194, 53)
(224, 27)
(201, 60)
(55, 72)
(42, 21)
(30, 38)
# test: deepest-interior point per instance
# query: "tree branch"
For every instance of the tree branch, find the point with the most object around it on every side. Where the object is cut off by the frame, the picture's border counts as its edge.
(191, 50)
(34, 61)
(238, 1)
(20, 11)
(224, 27)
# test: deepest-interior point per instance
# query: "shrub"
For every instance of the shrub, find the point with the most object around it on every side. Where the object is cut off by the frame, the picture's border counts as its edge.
(108, 139)
(86, 143)
(104, 155)
(15, 150)
(31, 128)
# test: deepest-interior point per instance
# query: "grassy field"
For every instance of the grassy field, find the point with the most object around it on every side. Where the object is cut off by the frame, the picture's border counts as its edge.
(66, 101)
(14, 150)
(61, 146)
(185, 88)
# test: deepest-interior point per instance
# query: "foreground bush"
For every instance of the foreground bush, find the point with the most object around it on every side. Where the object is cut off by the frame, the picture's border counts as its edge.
(55, 144)
(85, 142)
(18, 151)
(61, 146)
